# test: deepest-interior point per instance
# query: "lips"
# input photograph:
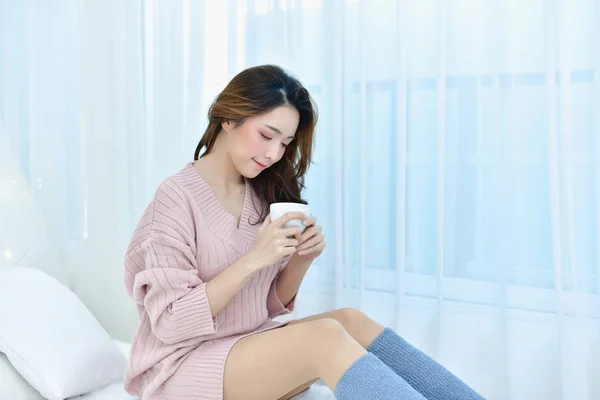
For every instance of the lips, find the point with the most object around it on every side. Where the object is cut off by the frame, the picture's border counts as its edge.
(259, 164)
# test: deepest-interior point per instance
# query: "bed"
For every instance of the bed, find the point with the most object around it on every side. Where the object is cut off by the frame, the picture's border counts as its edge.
(114, 391)
(52, 346)
(14, 388)
(318, 391)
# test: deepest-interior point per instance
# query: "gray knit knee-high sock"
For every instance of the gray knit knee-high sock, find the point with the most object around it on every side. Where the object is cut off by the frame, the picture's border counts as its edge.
(424, 374)
(369, 378)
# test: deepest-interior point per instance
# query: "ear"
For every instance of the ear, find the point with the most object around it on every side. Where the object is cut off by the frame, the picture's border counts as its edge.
(227, 126)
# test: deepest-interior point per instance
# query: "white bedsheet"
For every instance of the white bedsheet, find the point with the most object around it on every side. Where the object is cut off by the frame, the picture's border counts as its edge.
(117, 392)
(114, 391)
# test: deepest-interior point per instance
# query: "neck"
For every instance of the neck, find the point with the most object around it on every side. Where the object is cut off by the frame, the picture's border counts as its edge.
(216, 167)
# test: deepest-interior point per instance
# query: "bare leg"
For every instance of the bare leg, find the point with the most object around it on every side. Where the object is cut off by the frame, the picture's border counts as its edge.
(358, 325)
(298, 390)
(271, 364)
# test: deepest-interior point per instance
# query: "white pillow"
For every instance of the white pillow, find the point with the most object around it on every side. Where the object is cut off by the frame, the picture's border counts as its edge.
(12, 385)
(52, 339)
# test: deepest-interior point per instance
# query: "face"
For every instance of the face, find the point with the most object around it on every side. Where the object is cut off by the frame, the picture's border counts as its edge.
(261, 141)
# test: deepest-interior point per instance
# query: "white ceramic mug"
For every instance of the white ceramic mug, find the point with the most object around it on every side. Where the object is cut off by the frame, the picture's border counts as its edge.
(277, 210)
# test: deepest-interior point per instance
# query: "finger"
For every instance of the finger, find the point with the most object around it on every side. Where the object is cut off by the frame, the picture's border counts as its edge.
(288, 217)
(312, 250)
(310, 221)
(290, 243)
(305, 237)
(292, 231)
(309, 233)
(307, 245)
(267, 221)
(287, 251)
(312, 242)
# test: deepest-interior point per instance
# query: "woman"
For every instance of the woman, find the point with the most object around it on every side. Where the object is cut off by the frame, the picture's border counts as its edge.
(208, 270)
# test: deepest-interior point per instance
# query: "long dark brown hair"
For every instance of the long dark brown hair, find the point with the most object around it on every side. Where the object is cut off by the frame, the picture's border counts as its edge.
(256, 91)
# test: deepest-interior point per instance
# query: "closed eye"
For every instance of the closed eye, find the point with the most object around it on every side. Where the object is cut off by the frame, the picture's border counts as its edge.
(270, 138)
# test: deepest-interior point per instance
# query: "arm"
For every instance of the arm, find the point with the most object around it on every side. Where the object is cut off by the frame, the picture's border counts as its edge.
(179, 304)
(290, 279)
(285, 286)
(287, 283)
(221, 289)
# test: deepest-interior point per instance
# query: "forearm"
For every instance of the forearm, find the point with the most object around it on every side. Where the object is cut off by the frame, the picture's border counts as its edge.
(290, 278)
(221, 289)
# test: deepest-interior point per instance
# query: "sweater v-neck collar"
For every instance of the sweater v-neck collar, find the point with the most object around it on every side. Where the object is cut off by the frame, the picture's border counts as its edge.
(221, 222)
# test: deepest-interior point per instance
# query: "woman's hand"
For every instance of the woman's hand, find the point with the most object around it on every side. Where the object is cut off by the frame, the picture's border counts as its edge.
(274, 242)
(312, 240)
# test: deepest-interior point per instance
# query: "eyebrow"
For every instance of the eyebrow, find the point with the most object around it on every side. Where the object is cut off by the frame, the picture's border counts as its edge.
(277, 130)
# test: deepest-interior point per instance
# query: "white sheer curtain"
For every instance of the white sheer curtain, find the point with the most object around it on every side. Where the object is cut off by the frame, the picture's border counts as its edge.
(456, 173)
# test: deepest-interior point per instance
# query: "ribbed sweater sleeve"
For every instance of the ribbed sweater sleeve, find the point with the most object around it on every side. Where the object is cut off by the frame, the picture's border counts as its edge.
(163, 270)
(172, 293)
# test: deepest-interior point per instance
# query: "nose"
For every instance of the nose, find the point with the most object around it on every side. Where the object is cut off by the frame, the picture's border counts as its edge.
(273, 151)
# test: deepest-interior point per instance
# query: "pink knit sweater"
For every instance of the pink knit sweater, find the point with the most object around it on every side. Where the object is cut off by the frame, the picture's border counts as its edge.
(184, 239)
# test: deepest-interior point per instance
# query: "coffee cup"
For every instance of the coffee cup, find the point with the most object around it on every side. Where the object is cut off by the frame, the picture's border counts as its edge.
(277, 211)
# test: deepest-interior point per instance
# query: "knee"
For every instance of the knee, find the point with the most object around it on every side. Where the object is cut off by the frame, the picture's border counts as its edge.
(327, 328)
(327, 338)
(322, 343)
(324, 334)
(351, 318)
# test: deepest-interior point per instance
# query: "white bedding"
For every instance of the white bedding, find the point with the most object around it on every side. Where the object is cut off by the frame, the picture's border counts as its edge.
(117, 392)
(114, 391)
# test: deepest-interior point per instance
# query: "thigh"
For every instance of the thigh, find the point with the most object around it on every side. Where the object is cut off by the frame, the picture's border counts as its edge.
(358, 325)
(298, 390)
(272, 364)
